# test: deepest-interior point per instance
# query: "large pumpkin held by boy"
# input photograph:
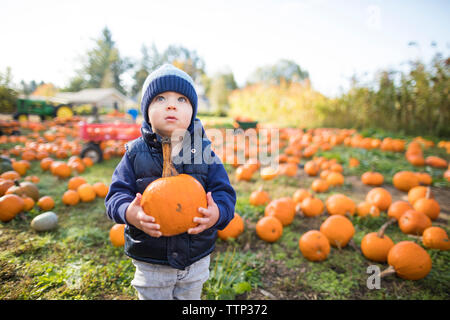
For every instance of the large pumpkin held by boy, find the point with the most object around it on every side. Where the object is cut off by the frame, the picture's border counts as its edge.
(173, 200)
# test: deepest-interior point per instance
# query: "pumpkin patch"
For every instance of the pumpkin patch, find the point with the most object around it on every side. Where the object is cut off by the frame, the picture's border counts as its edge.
(324, 204)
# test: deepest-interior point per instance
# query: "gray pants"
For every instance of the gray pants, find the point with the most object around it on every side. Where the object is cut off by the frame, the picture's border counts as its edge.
(161, 282)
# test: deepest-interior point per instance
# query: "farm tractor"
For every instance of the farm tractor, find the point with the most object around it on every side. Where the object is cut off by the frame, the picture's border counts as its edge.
(45, 110)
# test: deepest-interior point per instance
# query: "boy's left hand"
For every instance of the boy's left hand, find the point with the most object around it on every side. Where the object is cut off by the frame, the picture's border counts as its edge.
(210, 216)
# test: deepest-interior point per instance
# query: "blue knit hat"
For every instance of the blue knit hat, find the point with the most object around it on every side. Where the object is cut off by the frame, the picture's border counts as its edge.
(168, 78)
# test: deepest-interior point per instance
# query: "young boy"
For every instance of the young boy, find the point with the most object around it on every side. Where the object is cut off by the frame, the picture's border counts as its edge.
(169, 267)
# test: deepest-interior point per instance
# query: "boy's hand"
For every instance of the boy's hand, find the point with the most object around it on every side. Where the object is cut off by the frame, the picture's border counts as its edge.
(137, 217)
(210, 216)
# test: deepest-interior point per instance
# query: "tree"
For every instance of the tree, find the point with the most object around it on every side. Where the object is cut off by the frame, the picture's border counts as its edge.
(8, 96)
(179, 56)
(103, 66)
(220, 88)
(186, 60)
(149, 61)
(283, 70)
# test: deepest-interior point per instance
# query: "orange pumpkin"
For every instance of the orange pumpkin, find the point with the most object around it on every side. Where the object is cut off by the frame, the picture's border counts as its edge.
(60, 169)
(398, 208)
(338, 229)
(436, 162)
(269, 229)
(288, 169)
(28, 203)
(428, 205)
(268, 173)
(319, 185)
(71, 198)
(312, 206)
(365, 209)
(10, 175)
(339, 204)
(259, 197)
(101, 189)
(10, 206)
(283, 209)
(314, 245)
(409, 261)
(173, 200)
(46, 163)
(86, 192)
(413, 222)
(335, 179)
(20, 167)
(416, 193)
(233, 229)
(46, 203)
(244, 173)
(88, 162)
(435, 238)
(379, 197)
(405, 180)
(75, 182)
(372, 178)
(375, 246)
(116, 235)
(300, 195)
(424, 178)
(311, 168)
(5, 184)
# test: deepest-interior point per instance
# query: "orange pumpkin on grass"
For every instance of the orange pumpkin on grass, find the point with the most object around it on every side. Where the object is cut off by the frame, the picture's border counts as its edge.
(338, 229)
(28, 203)
(100, 189)
(116, 235)
(46, 203)
(339, 204)
(300, 195)
(405, 180)
(283, 209)
(413, 222)
(398, 208)
(312, 206)
(86, 192)
(375, 246)
(435, 238)
(365, 209)
(10, 206)
(233, 229)
(372, 178)
(71, 198)
(75, 182)
(259, 197)
(268, 173)
(379, 197)
(428, 205)
(408, 260)
(314, 245)
(269, 229)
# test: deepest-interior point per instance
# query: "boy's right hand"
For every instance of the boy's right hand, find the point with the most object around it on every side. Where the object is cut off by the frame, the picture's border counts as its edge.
(137, 217)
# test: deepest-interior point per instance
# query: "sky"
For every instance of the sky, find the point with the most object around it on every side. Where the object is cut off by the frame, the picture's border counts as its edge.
(331, 39)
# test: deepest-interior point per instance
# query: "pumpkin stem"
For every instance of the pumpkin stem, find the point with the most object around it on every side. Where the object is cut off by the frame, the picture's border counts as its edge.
(298, 210)
(383, 228)
(429, 194)
(168, 168)
(387, 272)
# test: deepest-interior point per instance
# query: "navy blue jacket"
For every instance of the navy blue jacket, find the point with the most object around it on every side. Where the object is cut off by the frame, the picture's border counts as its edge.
(142, 164)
